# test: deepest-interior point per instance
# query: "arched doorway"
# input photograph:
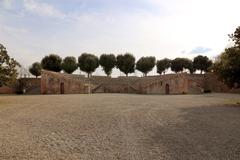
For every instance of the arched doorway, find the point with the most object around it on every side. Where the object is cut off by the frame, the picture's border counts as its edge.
(167, 90)
(62, 88)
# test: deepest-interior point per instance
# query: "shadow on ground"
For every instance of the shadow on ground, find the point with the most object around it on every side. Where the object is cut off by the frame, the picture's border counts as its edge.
(205, 133)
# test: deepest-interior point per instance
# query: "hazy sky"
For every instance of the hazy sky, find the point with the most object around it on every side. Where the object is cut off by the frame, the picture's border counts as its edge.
(31, 29)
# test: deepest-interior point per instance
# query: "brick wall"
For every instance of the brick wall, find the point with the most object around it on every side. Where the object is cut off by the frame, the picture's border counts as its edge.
(29, 85)
(51, 83)
(173, 83)
(7, 90)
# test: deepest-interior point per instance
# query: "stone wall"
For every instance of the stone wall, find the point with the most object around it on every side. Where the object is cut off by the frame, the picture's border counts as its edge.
(8, 90)
(214, 84)
(29, 85)
(23, 86)
(163, 84)
(57, 83)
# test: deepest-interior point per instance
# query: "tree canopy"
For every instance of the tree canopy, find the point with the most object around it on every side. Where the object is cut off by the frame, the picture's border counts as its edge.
(35, 69)
(145, 64)
(201, 63)
(108, 62)
(177, 65)
(126, 63)
(188, 64)
(69, 64)
(52, 62)
(8, 71)
(163, 65)
(88, 63)
(235, 37)
(227, 66)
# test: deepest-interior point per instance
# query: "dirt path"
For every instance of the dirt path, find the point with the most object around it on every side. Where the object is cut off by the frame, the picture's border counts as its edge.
(118, 126)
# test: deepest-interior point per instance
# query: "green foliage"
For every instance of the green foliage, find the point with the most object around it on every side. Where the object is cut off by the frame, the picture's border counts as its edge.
(108, 62)
(163, 65)
(188, 64)
(69, 65)
(8, 71)
(126, 63)
(202, 63)
(52, 62)
(88, 63)
(227, 66)
(178, 64)
(236, 37)
(35, 69)
(145, 64)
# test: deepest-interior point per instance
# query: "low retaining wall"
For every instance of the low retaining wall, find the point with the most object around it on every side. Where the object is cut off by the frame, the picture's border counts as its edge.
(7, 90)
(57, 83)
(61, 83)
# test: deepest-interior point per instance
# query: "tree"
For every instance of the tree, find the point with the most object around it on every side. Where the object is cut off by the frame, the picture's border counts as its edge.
(88, 63)
(69, 65)
(201, 63)
(177, 65)
(227, 66)
(126, 63)
(163, 65)
(52, 62)
(189, 66)
(235, 37)
(108, 62)
(8, 71)
(35, 69)
(145, 64)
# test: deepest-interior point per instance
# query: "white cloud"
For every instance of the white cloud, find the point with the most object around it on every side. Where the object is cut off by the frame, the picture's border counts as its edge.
(7, 4)
(42, 9)
(181, 26)
(12, 30)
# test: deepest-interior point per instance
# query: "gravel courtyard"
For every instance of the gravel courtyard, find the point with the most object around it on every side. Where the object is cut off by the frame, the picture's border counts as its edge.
(120, 126)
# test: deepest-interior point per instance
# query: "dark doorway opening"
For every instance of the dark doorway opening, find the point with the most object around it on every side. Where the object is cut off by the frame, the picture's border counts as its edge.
(167, 90)
(62, 88)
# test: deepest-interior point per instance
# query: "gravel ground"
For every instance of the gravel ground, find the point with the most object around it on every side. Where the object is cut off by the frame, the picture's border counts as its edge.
(120, 126)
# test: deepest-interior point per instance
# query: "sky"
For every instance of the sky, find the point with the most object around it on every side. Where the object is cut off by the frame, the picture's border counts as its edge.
(31, 29)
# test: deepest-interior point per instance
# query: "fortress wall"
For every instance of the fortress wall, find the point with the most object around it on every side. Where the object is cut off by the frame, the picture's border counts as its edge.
(51, 84)
(29, 85)
(161, 84)
(55, 83)
(7, 90)
(196, 83)
(177, 83)
(214, 84)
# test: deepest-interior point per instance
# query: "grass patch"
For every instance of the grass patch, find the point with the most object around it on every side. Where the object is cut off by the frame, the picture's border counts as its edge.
(234, 103)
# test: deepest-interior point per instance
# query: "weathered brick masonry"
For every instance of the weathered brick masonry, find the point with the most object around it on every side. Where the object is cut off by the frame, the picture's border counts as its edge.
(61, 83)
(56, 83)
(27, 85)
